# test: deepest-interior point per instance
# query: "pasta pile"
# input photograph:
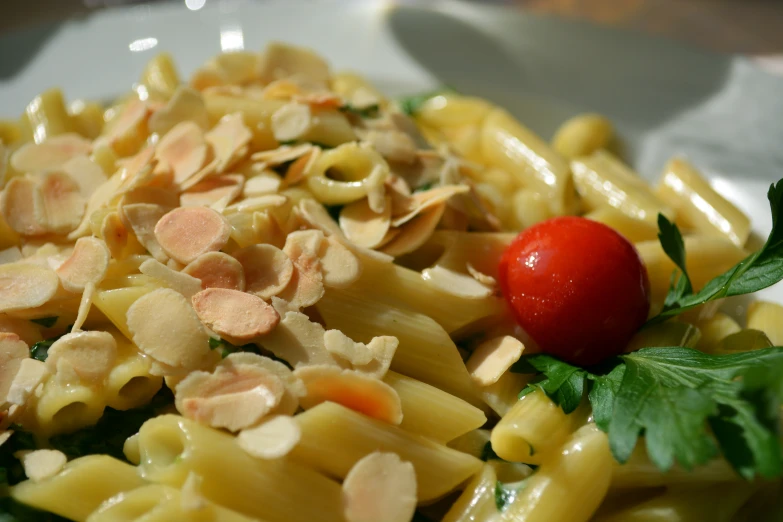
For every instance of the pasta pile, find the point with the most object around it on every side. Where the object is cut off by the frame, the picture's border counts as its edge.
(312, 273)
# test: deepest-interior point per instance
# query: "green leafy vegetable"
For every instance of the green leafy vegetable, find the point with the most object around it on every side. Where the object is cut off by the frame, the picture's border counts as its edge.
(371, 111)
(410, 105)
(673, 396)
(505, 494)
(674, 247)
(424, 187)
(46, 322)
(226, 349)
(40, 350)
(487, 453)
(756, 272)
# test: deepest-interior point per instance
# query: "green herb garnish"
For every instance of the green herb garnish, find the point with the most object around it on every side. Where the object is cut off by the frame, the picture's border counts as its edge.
(371, 111)
(410, 105)
(46, 322)
(505, 494)
(40, 350)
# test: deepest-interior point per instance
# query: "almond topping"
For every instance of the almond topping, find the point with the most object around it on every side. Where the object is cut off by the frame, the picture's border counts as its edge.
(257, 204)
(493, 358)
(298, 340)
(294, 388)
(20, 329)
(63, 204)
(217, 270)
(316, 216)
(382, 349)
(291, 121)
(185, 104)
(216, 192)
(261, 185)
(91, 354)
(129, 128)
(352, 389)
(282, 154)
(234, 315)
(279, 60)
(182, 149)
(49, 155)
(87, 264)
(346, 348)
(114, 234)
(229, 140)
(165, 327)
(393, 145)
(30, 374)
(10, 255)
(148, 194)
(340, 266)
(22, 205)
(87, 174)
(268, 270)
(272, 439)
(12, 347)
(363, 226)
(142, 218)
(84, 307)
(380, 488)
(415, 233)
(422, 201)
(185, 284)
(186, 233)
(25, 285)
(461, 285)
(481, 277)
(41, 464)
(306, 287)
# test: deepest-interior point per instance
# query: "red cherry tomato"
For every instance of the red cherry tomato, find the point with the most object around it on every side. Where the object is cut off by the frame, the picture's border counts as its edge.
(577, 287)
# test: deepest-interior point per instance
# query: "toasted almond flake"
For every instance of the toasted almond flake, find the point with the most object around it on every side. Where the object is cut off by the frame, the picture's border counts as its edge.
(87, 174)
(294, 388)
(49, 155)
(165, 197)
(142, 218)
(282, 154)
(175, 265)
(187, 232)
(217, 270)
(376, 189)
(393, 145)
(257, 204)
(455, 283)
(238, 67)
(63, 204)
(191, 499)
(268, 229)
(382, 349)
(481, 277)
(229, 140)
(342, 346)
(415, 233)
(186, 104)
(234, 315)
(185, 284)
(307, 286)
(137, 165)
(114, 234)
(84, 307)
(165, 327)
(25, 285)
(22, 203)
(428, 199)
(23, 329)
(268, 270)
(291, 122)
(87, 264)
(30, 374)
(320, 100)
(41, 464)
(129, 128)
(339, 265)
(298, 340)
(272, 439)
(352, 389)
(380, 488)
(302, 167)
(216, 191)
(91, 354)
(10, 255)
(12, 347)
(183, 149)
(283, 61)
(99, 200)
(316, 216)
(364, 98)
(363, 226)
(209, 79)
(493, 358)
(261, 185)
(234, 396)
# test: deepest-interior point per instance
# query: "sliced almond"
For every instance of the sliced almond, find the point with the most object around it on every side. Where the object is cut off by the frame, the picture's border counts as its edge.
(461, 285)
(415, 233)
(363, 226)
(294, 388)
(137, 166)
(165, 197)
(316, 216)
(165, 327)
(185, 284)
(22, 204)
(233, 396)
(273, 439)
(87, 174)
(129, 128)
(29, 376)
(380, 488)
(340, 266)
(493, 358)
(24, 285)
(186, 104)
(84, 307)
(282, 154)
(264, 183)
(484, 279)
(115, 234)
(216, 191)
(257, 204)
(183, 149)
(422, 201)
(280, 61)
(268, 270)
(393, 145)
(342, 346)
(375, 185)
(49, 155)
(142, 219)
(10, 255)
(292, 121)
(306, 287)
(234, 315)
(63, 204)
(217, 270)
(91, 354)
(382, 349)
(267, 228)
(299, 341)
(187, 232)
(320, 100)
(41, 464)
(87, 264)
(302, 167)
(12, 347)
(98, 201)
(229, 140)
(352, 389)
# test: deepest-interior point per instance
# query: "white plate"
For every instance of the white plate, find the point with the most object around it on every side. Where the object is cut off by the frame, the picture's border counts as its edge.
(720, 111)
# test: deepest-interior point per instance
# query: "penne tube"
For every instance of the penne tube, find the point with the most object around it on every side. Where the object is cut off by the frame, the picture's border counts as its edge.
(453, 110)
(768, 318)
(603, 180)
(347, 84)
(699, 206)
(81, 486)
(582, 135)
(533, 429)
(569, 486)
(129, 383)
(714, 330)
(504, 394)
(477, 502)
(431, 412)
(745, 340)
(114, 304)
(257, 115)
(508, 145)
(160, 75)
(528, 208)
(65, 407)
(10, 131)
(156, 503)
(87, 118)
(47, 116)
(634, 230)
(472, 443)
(172, 447)
(426, 352)
(671, 333)
(334, 438)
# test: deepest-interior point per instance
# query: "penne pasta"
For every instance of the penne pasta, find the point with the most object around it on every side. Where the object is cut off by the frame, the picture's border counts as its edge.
(129, 383)
(257, 115)
(473, 443)
(114, 304)
(504, 394)
(714, 330)
(665, 334)
(46, 116)
(634, 230)
(160, 76)
(64, 407)
(477, 502)
(768, 318)
(582, 135)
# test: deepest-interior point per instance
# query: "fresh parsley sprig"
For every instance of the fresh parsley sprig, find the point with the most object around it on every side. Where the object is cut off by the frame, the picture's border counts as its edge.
(759, 270)
(688, 405)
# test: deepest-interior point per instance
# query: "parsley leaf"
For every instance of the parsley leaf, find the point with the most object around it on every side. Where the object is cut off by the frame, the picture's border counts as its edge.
(756, 272)
(410, 105)
(563, 382)
(487, 453)
(674, 247)
(505, 494)
(371, 111)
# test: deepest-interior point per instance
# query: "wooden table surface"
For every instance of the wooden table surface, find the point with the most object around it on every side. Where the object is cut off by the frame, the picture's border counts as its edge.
(753, 27)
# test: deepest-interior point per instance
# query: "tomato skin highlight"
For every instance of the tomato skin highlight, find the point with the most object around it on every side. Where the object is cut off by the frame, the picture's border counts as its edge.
(577, 287)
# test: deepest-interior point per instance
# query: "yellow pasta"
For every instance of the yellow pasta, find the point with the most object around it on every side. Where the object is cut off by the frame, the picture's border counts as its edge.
(115, 303)
(172, 447)
(767, 317)
(64, 407)
(346, 174)
(503, 395)
(665, 334)
(160, 75)
(257, 115)
(453, 110)
(715, 329)
(582, 135)
(330, 128)
(528, 208)
(348, 83)
(81, 486)
(46, 116)
(743, 341)
(699, 206)
(129, 384)
(634, 230)
(334, 438)
(477, 502)
(472, 443)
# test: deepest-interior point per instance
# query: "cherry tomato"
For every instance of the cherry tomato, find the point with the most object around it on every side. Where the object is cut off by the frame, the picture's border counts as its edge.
(577, 287)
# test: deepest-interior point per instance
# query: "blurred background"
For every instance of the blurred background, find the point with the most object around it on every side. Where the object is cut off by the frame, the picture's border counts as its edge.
(750, 27)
